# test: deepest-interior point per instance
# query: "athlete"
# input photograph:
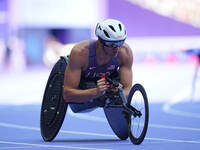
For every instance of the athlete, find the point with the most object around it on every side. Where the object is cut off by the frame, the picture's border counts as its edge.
(90, 59)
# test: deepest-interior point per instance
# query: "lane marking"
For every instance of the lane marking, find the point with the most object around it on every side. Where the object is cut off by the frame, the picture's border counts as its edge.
(16, 147)
(88, 133)
(99, 119)
(104, 120)
(173, 140)
(180, 96)
(55, 146)
(96, 134)
(174, 127)
(61, 131)
(168, 109)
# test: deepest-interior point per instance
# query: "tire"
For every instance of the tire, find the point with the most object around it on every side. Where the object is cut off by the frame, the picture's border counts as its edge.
(53, 108)
(138, 93)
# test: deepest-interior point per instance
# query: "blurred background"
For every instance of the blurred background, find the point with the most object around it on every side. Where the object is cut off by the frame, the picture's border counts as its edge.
(163, 34)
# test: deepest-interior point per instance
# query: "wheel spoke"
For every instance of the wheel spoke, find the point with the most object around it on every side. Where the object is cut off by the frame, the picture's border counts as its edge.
(138, 124)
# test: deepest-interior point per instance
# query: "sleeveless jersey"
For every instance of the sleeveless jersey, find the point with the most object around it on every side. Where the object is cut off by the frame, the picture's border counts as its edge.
(94, 71)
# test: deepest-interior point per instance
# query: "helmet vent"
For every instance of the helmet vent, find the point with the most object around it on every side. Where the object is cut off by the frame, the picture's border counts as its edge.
(120, 27)
(106, 33)
(99, 27)
(112, 28)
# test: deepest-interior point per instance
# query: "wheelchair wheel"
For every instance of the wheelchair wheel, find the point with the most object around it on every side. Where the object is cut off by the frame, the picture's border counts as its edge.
(137, 125)
(53, 108)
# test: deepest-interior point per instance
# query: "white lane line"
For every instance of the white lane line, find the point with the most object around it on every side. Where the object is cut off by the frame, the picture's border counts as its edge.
(55, 146)
(101, 119)
(168, 109)
(9, 125)
(122, 142)
(19, 147)
(180, 96)
(86, 133)
(173, 140)
(61, 131)
(174, 127)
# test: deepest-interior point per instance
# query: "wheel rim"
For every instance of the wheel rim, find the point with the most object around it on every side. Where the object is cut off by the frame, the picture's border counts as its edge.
(137, 123)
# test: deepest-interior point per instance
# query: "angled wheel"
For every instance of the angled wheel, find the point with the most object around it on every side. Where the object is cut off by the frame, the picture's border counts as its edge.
(138, 123)
(117, 122)
(53, 108)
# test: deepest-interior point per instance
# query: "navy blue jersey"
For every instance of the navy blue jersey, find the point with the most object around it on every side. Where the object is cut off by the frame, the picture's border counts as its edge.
(94, 72)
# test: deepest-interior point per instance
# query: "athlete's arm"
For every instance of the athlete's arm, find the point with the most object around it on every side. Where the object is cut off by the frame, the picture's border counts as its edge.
(72, 77)
(125, 69)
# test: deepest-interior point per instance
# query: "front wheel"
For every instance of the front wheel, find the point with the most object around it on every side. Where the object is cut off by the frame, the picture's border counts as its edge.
(138, 123)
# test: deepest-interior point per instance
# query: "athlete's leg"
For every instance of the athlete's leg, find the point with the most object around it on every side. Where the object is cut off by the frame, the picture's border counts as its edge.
(88, 106)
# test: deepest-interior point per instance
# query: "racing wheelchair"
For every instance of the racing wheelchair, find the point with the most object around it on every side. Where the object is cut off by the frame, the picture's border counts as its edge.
(127, 117)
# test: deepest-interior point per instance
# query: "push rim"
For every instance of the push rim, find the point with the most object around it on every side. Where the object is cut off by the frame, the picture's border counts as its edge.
(138, 124)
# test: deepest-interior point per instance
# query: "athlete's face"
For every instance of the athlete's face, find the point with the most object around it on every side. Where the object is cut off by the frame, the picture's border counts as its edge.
(111, 50)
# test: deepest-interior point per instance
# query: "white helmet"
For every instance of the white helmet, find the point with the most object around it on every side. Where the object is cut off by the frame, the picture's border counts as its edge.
(111, 30)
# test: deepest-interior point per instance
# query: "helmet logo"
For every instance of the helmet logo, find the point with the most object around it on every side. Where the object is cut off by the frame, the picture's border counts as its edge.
(119, 36)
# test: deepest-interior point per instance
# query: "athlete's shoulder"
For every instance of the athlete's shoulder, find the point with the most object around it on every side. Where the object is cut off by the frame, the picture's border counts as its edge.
(79, 54)
(125, 54)
(81, 48)
(125, 50)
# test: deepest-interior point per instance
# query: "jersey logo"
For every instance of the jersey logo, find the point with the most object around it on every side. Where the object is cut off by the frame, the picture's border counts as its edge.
(111, 67)
(91, 68)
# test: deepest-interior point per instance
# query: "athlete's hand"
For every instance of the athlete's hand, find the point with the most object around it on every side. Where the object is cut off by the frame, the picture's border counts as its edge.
(102, 86)
(115, 89)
